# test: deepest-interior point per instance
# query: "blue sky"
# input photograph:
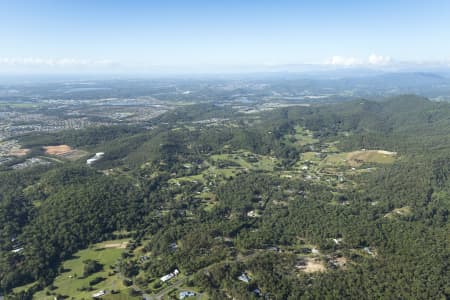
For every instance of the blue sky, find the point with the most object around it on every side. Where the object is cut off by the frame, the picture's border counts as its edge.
(136, 35)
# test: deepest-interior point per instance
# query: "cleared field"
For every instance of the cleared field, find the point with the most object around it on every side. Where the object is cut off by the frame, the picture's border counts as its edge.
(121, 296)
(375, 156)
(57, 150)
(310, 156)
(64, 151)
(71, 283)
(314, 265)
(331, 147)
(224, 166)
(247, 160)
(301, 137)
(402, 211)
(23, 287)
(114, 244)
(357, 158)
(74, 155)
(19, 152)
(193, 178)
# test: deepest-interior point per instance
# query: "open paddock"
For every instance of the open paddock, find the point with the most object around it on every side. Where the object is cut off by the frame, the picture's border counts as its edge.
(358, 158)
(64, 151)
(19, 152)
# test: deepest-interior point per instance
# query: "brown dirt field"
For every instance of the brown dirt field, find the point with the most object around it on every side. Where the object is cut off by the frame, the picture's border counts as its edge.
(314, 265)
(341, 261)
(57, 150)
(356, 158)
(65, 151)
(19, 152)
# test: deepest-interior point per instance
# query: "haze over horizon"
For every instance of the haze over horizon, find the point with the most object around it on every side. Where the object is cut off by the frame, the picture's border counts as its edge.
(199, 36)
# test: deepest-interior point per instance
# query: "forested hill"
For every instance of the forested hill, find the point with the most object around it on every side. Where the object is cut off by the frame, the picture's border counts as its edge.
(346, 201)
(408, 123)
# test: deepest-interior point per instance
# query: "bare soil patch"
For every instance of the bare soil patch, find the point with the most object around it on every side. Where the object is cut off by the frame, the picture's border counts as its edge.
(19, 152)
(314, 265)
(65, 151)
(121, 245)
(57, 150)
(357, 158)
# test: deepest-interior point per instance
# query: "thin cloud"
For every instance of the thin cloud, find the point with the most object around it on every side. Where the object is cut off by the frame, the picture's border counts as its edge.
(53, 62)
(379, 60)
(343, 61)
(373, 59)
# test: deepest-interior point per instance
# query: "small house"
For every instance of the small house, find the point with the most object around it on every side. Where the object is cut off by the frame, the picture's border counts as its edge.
(186, 294)
(17, 250)
(244, 277)
(99, 294)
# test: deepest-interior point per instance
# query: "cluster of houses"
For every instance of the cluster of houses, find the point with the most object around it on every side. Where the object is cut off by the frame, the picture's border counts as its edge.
(169, 276)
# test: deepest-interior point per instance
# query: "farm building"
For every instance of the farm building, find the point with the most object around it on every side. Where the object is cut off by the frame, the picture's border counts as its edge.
(99, 294)
(170, 275)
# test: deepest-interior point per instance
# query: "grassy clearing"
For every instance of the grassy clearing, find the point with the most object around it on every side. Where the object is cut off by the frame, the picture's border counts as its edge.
(310, 156)
(247, 160)
(226, 173)
(209, 206)
(314, 265)
(23, 287)
(358, 158)
(304, 136)
(123, 295)
(338, 159)
(226, 166)
(301, 137)
(193, 178)
(71, 282)
(331, 147)
(373, 156)
(402, 211)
